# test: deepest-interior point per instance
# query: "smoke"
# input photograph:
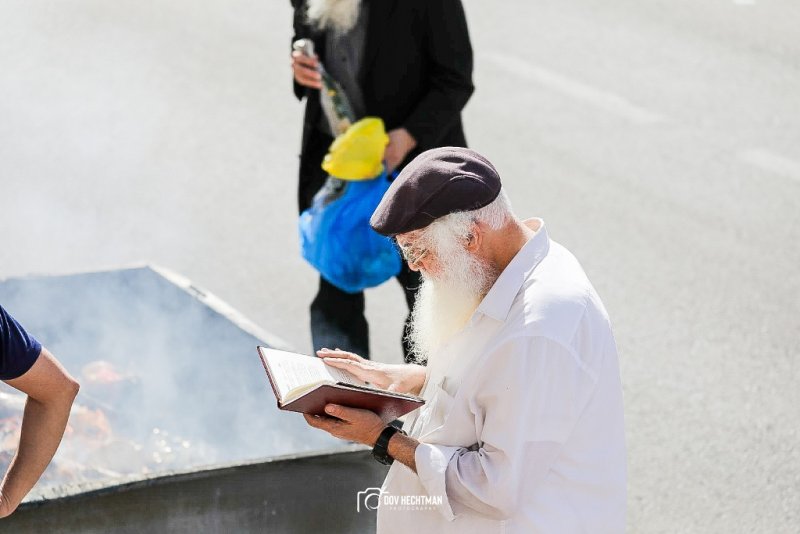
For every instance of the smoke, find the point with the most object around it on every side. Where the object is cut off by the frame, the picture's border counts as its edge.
(167, 382)
(136, 132)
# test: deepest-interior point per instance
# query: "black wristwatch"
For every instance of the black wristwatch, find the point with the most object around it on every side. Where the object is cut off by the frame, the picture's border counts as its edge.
(381, 449)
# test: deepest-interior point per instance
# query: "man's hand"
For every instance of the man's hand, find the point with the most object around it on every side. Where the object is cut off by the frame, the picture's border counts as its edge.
(351, 424)
(400, 144)
(364, 426)
(305, 70)
(404, 378)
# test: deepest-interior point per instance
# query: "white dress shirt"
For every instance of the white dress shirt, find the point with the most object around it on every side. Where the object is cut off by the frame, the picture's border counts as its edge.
(522, 431)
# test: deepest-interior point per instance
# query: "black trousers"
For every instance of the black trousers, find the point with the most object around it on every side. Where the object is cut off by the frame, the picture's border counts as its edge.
(338, 321)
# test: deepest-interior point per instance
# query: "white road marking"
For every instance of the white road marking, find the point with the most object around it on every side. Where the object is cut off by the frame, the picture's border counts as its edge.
(769, 161)
(596, 97)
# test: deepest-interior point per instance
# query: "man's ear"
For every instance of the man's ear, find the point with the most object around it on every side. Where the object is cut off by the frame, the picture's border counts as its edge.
(474, 238)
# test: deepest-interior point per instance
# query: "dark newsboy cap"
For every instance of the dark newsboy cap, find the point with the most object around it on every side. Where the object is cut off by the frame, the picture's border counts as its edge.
(437, 182)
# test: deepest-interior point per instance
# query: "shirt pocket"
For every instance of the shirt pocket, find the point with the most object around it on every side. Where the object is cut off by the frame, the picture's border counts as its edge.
(437, 413)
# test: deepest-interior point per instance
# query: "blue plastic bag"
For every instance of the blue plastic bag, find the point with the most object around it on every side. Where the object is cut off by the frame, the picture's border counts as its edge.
(337, 240)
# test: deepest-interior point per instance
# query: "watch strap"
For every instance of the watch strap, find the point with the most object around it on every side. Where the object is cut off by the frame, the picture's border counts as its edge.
(381, 449)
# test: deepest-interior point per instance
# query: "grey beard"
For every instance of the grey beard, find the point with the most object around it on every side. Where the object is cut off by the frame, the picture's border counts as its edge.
(337, 15)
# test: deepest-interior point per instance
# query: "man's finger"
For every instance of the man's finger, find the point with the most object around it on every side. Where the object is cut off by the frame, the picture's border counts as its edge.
(323, 353)
(328, 424)
(305, 72)
(312, 420)
(342, 412)
(335, 410)
(345, 363)
(345, 413)
(309, 83)
(341, 363)
(361, 370)
(313, 84)
(303, 59)
(306, 76)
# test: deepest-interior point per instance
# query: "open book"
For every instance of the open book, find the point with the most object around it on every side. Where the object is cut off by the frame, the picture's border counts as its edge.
(306, 384)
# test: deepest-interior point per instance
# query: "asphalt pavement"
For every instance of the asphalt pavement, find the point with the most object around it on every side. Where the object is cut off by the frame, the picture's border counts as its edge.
(659, 140)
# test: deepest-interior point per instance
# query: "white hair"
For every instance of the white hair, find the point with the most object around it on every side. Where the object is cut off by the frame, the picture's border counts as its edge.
(458, 225)
(447, 299)
(338, 15)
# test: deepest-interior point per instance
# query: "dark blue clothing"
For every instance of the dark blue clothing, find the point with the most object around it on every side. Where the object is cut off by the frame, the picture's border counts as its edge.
(18, 349)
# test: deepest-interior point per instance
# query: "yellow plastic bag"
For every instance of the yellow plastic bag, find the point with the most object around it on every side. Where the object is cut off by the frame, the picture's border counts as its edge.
(357, 154)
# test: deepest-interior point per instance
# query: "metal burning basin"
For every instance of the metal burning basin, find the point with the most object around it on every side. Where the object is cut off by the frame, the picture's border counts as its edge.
(171, 386)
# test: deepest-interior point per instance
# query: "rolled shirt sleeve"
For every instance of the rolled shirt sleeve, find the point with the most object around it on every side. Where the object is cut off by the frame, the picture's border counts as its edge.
(432, 463)
(526, 398)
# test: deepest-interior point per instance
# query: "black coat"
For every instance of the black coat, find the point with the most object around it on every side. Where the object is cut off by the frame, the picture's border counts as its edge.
(416, 74)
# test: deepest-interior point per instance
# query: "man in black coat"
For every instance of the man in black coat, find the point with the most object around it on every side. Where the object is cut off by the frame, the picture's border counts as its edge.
(408, 62)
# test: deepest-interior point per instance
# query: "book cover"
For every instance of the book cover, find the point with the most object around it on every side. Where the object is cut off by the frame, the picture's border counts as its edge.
(306, 384)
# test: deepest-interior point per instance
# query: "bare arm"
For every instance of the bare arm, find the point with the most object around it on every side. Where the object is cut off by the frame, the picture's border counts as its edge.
(403, 448)
(50, 391)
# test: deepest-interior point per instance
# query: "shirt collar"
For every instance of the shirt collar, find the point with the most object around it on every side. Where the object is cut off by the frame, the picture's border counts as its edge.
(497, 302)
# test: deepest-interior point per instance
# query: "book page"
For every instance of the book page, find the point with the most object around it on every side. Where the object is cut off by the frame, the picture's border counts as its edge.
(296, 373)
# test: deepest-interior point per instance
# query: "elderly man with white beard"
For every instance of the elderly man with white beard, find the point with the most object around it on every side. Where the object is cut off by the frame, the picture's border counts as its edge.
(522, 430)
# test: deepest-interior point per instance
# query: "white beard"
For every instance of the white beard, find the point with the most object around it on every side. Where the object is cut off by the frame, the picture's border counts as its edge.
(445, 303)
(337, 15)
